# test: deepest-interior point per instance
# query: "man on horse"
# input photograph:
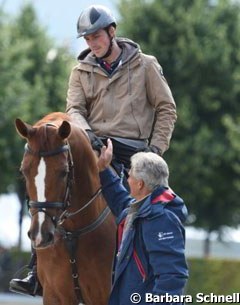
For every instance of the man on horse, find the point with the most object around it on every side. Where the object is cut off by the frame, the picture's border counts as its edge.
(119, 92)
(150, 254)
(115, 91)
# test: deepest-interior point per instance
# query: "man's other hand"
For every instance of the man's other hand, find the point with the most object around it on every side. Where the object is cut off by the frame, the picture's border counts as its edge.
(105, 157)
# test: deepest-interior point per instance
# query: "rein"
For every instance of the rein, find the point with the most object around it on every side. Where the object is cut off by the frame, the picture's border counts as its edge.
(66, 214)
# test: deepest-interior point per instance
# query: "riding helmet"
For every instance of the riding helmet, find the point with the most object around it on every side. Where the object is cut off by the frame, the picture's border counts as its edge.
(94, 18)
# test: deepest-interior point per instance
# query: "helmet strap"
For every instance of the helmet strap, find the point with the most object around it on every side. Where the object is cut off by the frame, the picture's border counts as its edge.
(109, 50)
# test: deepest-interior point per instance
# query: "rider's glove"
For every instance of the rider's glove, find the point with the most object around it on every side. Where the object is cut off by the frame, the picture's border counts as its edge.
(152, 148)
(96, 142)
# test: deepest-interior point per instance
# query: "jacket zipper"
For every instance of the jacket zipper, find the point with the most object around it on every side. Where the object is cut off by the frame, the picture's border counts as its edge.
(139, 265)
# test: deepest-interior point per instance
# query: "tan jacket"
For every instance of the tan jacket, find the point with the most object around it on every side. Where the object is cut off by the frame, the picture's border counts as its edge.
(135, 102)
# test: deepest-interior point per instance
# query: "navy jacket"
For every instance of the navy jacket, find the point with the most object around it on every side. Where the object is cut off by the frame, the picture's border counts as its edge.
(152, 258)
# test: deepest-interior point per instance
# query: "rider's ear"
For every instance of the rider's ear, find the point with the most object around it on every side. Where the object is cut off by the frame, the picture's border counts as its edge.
(112, 31)
(64, 130)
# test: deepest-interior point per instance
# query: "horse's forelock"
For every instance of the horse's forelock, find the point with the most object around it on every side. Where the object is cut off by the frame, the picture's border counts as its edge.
(46, 131)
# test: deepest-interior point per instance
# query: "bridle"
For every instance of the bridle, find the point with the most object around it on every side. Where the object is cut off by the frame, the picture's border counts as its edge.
(41, 206)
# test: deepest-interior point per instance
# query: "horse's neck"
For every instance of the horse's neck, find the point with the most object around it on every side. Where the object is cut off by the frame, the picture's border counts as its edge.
(86, 181)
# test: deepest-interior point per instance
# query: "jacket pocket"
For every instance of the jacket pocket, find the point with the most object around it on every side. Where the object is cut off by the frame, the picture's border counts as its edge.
(139, 265)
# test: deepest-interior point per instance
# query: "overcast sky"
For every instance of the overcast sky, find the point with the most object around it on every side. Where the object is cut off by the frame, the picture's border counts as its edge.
(59, 17)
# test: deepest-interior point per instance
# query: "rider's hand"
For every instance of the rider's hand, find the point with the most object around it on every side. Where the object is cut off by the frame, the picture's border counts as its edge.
(96, 142)
(105, 157)
(151, 148)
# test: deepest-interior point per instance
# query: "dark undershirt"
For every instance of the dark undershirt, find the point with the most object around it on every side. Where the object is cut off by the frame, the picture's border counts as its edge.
(109, 68)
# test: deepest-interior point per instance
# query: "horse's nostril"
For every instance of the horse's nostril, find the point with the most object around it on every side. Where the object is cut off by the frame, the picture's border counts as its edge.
(29, 234)
(50, 237)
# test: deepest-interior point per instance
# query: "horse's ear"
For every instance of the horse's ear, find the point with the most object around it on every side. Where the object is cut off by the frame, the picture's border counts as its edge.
(25, 130)
(64, 130)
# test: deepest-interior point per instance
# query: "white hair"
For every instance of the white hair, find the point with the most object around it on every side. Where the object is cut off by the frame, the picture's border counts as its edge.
(151, 168)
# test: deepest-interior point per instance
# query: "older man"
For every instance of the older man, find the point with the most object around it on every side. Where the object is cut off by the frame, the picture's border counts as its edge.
(150, 254)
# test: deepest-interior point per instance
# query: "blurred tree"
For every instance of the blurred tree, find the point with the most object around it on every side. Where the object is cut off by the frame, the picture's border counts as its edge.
(198, 44)
(33, 82)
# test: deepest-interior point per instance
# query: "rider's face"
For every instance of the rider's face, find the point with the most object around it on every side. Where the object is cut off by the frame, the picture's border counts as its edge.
(98, 42)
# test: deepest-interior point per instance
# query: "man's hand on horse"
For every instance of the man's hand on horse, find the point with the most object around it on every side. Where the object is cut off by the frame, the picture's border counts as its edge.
(105, 157)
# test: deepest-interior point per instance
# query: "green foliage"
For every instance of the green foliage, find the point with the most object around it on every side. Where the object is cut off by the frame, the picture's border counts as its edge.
(33, 82)
(220, 277)
(11, 262)
(197, 43)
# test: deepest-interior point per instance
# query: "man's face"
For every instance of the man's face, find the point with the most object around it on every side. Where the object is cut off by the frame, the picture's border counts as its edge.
(135, 186)
(98, 42)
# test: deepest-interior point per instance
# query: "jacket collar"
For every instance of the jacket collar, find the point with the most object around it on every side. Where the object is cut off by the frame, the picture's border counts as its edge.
(146, 208)
(130, 50)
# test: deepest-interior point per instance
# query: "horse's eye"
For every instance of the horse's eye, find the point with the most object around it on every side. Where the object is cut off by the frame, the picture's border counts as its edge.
(64, 173)
(21, 175)
(21, 171)
(24, 171)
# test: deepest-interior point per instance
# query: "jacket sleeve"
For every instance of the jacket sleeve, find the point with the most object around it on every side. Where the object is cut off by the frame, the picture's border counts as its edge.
(164, 240)
(114, 192)
(160, 97)
(76, 101)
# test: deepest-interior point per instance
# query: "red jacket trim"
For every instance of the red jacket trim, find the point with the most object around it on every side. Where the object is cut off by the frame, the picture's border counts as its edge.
(120, 231)
(166, 196)
(139, 265)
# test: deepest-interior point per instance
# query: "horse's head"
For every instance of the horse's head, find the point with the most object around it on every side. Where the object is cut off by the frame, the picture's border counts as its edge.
(46, 167)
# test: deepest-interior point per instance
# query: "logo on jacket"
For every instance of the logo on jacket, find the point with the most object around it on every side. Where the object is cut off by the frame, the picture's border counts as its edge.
(165, 235)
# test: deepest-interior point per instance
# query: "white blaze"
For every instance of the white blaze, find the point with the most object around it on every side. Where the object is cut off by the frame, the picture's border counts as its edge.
(40, 187)
(40, 181)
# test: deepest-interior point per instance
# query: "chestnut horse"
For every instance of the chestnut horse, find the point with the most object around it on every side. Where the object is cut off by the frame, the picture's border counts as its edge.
(71, 229)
